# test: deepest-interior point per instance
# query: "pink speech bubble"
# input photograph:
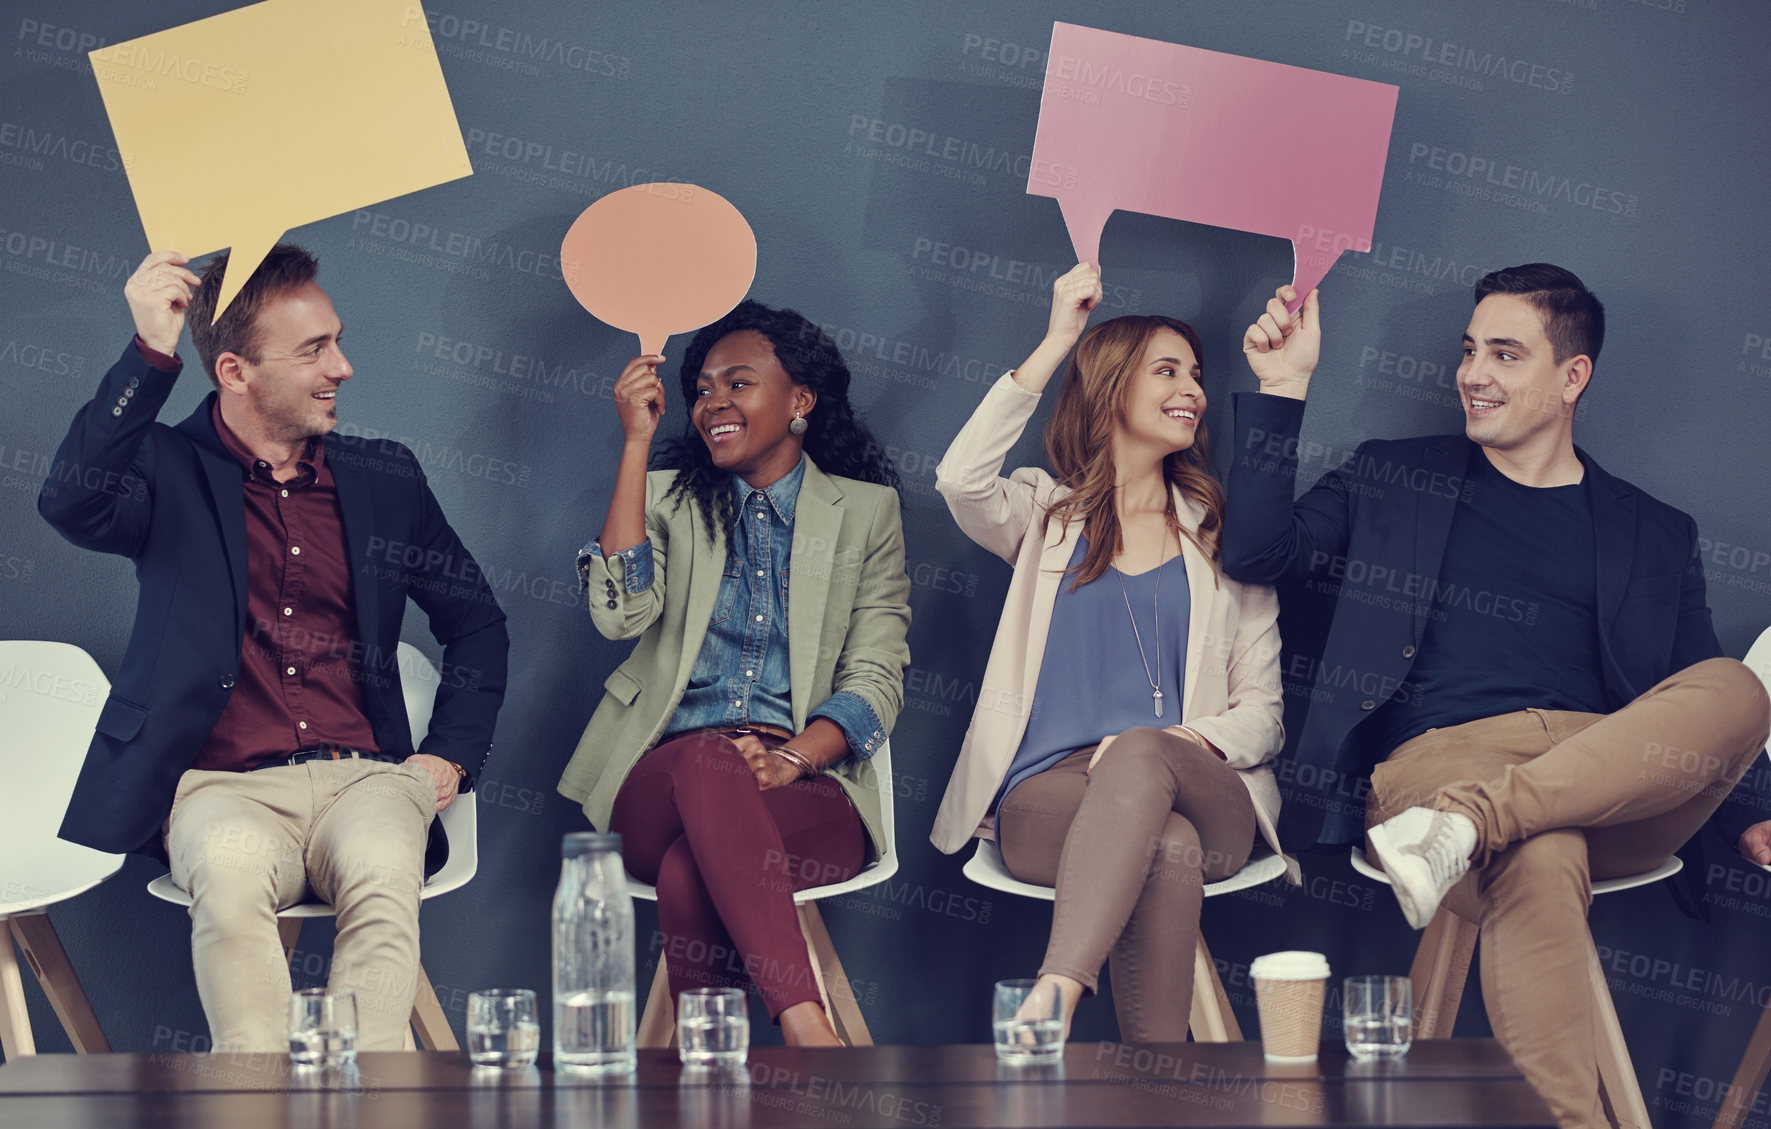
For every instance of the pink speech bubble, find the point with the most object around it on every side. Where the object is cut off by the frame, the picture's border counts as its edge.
(657, 259)
(1199, 135)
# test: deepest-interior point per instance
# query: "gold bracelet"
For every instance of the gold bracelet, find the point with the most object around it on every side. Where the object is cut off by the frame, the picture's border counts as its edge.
(797, 759)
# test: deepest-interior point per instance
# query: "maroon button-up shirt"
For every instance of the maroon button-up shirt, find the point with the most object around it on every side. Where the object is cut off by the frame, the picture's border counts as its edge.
(299, 680)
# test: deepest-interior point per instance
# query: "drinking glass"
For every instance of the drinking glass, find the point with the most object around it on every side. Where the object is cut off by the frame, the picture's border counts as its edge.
(502, 1028)
(323, 1027)
(712, 1027)
(1377, 1015)
(1025, 1035)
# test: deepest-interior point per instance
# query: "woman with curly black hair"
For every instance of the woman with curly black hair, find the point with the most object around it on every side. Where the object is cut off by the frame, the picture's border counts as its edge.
(761, 565)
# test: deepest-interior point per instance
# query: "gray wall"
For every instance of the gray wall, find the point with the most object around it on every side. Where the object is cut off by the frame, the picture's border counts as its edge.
(1641, 123)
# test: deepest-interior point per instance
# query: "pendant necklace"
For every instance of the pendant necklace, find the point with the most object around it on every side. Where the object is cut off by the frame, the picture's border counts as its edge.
(1156, 609)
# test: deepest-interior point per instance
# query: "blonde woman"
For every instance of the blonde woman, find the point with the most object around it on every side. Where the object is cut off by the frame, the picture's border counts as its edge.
(1131, 703)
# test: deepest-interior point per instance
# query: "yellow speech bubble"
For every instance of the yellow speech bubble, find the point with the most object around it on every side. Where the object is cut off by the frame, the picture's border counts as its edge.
(235, 128)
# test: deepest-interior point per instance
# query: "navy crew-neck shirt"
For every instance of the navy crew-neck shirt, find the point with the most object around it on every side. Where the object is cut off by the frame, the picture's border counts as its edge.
(1514, 621)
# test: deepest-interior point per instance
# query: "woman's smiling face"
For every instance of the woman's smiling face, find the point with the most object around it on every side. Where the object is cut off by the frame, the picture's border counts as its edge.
(744, 401)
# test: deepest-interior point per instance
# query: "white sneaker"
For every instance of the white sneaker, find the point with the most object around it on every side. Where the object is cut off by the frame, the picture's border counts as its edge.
(1424, 853)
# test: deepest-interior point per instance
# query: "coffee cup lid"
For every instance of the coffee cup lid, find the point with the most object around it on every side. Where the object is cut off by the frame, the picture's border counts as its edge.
(1289, 965)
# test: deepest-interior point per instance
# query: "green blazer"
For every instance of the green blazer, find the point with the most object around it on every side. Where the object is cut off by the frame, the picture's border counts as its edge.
(847, 616)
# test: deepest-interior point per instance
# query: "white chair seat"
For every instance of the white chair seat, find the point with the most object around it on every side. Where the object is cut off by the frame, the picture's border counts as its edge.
(460, 823)
(45, 739)
(45, 872)
(1666, 869)
(50, 697)
(460, 820)
(985, 867)
(1211, 1019)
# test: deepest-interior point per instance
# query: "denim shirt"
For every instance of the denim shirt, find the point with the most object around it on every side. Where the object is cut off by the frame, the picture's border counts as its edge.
(742, 675)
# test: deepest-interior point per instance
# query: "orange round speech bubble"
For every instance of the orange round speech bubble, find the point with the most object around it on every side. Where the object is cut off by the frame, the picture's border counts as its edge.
(657, 259)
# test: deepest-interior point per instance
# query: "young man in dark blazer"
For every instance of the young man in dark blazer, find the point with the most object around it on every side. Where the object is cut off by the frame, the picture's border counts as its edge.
(1520, 644)
(256, 732)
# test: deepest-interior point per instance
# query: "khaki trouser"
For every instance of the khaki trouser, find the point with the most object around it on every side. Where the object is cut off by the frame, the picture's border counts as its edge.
(246, 844)
(1559, 799)
(1130, 850)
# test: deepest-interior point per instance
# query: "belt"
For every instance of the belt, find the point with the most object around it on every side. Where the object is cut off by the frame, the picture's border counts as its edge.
(754, 729)
(326, 753)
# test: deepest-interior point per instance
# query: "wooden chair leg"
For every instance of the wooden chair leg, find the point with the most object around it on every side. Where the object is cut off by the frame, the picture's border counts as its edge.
(432, 1025)
(1212, 1020)
(43, 949)
(289, 933)
(1441, 966)
(1618, 1085)
(658, 1021)
(833, 983)
(1749, 1076)
(15, 1022)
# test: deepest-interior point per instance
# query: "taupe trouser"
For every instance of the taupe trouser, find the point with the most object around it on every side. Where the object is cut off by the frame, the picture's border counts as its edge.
(246, 844)
(1559, 799)
(1130, 849)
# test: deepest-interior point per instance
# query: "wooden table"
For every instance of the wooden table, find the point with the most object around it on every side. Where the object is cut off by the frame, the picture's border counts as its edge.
(1449, 1082)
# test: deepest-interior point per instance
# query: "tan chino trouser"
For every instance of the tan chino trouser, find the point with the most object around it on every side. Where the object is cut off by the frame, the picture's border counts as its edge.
(1559, 799)
(246, 844)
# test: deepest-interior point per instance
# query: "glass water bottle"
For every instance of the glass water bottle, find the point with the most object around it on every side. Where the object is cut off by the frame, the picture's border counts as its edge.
(594, 1020)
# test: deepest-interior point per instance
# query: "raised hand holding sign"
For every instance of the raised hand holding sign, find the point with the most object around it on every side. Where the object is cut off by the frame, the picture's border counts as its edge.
(235, 128)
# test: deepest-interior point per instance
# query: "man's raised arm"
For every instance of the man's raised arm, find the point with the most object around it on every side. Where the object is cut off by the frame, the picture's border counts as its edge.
(1267, 537)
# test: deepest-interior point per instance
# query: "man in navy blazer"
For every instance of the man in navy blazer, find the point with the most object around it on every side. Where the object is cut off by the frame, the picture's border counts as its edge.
(256, 733)
(1519, 644)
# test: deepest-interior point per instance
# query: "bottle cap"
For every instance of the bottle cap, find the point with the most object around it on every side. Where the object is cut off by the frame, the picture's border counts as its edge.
(584, 842)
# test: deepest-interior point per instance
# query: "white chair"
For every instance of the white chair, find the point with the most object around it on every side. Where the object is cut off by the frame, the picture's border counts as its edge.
(418, 678)
(50, 697)
(1442, 965)
(658, 1023)
(1749, 1076)
(1211, 1020)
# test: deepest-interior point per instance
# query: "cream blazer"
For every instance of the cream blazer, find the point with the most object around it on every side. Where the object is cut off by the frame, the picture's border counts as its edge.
(1231, 694)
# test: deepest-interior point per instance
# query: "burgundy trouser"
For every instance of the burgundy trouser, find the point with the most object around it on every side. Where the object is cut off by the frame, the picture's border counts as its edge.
(726, 858)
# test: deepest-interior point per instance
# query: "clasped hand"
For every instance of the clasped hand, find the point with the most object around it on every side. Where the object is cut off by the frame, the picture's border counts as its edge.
(770, 770)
